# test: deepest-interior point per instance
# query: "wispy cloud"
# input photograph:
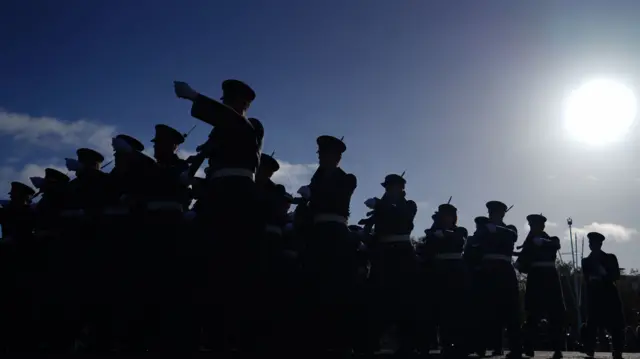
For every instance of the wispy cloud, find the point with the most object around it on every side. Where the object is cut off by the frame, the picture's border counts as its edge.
(592, 178)
(293, 176)
(611, 231)
(53, 133)
(9, 174)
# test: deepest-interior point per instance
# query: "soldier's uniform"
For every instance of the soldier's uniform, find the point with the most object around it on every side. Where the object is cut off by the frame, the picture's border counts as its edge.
(17, 252)
(79, 249)
(230, 217)
(167, 279)
(328, 257)
(48, 237)
(444, 242)
(119, 240)
(601, 271)
(501, 297)
(544, 292)
(472, 256)
(393, 262)
(277, 265)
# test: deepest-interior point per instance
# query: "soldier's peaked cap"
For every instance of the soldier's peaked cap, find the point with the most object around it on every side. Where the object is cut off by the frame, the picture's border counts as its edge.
(22, 188)
(393, 179)
(87, 155)
(481, 219)
(236, 88)
(133, 142)
(54, 175)
(269, 162)
(496, 206)
(330, 143)
(595, 236)
(447, 208)
(169, 133)
(536, 218)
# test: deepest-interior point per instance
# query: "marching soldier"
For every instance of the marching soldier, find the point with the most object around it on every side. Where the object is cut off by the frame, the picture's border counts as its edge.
(444, 242)
(601, 271)
(167, 198)
(544, 292)
(118, 238)
(393, 261)
(329, 256)
(16, 254)
(501, 300)
(229, 212)
(84, 199)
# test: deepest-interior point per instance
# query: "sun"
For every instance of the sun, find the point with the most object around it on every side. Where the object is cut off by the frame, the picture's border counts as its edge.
(600, 111)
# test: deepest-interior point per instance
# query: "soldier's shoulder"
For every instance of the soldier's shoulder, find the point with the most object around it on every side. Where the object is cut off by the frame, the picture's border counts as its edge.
(350, 180)
(512, 228)
(463, 231)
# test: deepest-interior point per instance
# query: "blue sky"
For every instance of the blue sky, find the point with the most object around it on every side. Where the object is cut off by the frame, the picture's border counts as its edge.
(465, 96)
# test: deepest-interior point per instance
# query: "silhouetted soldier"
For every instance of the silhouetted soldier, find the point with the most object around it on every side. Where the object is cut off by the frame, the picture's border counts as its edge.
(501, 300)
(229, 212)
(544, 292)
(329, 255)
(444, 242)
(393, 262)
(472, 256)
(601, 271)
(84, 200)
(16, 260)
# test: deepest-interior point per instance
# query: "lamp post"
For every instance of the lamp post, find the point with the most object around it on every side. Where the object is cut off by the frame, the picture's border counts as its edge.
(574, 259)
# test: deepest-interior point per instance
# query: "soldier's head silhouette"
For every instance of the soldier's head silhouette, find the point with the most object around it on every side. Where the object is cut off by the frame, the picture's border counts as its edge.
(268, 166)
(330, 150)
(447, 215)
(595, 240)
(124, 146)
(166, 142)
(237, 95)
(497, 210)
(21, 193)
(536, 222)
(89, 160)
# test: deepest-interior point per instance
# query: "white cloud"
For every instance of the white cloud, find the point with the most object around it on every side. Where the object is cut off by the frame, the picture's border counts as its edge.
(293, 176)
(51, 132)
(611, 231)
(9, 174)
(592, 178)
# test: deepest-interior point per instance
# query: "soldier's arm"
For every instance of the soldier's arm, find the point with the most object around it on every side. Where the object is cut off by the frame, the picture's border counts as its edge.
(350, 182)
(214, 112)
(412, 208)
(613, 273)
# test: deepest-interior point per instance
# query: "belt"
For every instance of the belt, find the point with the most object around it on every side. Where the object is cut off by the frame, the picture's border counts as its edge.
(395, 238)
(497, 257)
(72, 213)
(273, 229)
(233, 172)
(164, 206)
(116, 211)
(543, 265)
(449, 256)
(327, 217)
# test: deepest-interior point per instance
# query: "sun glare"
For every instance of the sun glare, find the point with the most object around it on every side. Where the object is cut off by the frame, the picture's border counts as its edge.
(600, 111)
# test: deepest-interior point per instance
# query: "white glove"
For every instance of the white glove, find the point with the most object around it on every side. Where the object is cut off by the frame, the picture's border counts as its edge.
(439, 233)
(183, 90)
(305, 192)
(371, 202)
(37, 182)
(120, 146)
(538, 241)
(491, 227)
(72, 164)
